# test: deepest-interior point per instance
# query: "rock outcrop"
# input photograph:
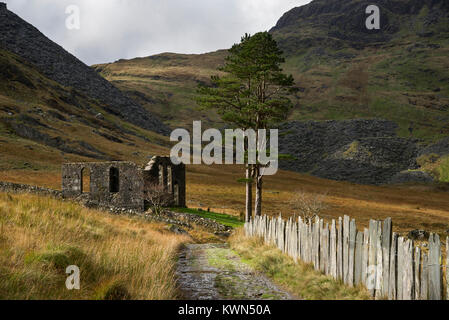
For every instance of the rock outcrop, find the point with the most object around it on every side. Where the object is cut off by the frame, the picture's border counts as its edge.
(24, 40)
(341, 23)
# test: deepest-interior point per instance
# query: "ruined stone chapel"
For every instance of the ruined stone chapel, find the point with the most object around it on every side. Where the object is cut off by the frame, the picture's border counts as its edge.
(124, 184)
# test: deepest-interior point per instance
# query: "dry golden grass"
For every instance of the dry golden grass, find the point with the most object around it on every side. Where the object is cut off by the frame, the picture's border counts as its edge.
(119, 257)
(216, 187)
(410, 207)
(298, 278)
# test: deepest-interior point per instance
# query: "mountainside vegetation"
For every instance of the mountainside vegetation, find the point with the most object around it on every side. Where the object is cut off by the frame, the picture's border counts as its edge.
(44, 123)
(118, 257)
(343, 71)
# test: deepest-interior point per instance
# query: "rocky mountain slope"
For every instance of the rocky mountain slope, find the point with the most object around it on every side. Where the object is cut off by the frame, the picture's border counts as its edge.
(344, 71)
(341, 23)
(362, 151)
(55, 63)
(55, 109)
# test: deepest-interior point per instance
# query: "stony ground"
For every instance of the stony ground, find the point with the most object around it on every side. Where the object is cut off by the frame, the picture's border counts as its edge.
(215, 272)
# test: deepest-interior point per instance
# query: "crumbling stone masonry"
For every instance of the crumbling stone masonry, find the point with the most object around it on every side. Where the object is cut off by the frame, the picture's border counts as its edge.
(124, 184)
(161, 171)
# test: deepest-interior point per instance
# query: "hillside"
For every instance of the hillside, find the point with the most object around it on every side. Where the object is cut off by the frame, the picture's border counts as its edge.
(44, 123)
(24, 40)
(55, 109)
(166, 84)
(344, 71)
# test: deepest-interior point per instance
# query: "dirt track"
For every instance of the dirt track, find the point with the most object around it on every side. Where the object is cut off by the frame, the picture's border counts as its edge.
(214, 272)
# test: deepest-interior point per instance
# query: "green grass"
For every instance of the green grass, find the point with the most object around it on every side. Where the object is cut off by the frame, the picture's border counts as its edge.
(222, 218)
(301, 279)
(444, 170)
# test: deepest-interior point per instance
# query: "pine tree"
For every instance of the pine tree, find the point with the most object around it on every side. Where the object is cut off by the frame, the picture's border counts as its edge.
(253, 94)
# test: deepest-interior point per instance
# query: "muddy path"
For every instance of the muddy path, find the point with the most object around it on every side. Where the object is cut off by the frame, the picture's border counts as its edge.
(214, 272)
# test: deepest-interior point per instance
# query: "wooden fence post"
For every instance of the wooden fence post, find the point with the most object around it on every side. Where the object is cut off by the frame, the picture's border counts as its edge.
(434, 269)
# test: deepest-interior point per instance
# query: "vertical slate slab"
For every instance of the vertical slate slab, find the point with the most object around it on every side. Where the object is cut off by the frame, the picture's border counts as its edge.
(295, 241)
(408, 278)
(333, 250)
(392, 289)
(372, 257)
(351, 263)
(346, 229)
(379, 261)
(299, 244)
(304, 241)
(400, 268)
(417, 272)
(314, 242)
(447, 268)
(325, 256)
(340, 249)
(309, 242)
(358, 258)
(326, 250)
(425, 277)
(321, 246)
(317, 243)
(435, 283)
(365, 256)
(386, 248)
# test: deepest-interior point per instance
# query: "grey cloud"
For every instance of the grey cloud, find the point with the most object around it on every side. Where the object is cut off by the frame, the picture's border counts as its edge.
(115, 29)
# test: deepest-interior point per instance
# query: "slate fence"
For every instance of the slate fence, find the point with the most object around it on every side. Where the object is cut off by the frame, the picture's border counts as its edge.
(390, 266)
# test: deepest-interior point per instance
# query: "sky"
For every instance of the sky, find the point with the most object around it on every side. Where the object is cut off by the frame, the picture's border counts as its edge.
(123, 29)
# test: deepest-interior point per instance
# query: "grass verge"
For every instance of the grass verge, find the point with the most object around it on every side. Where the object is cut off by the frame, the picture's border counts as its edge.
(225, 219)
(119, 257)
(301, 279)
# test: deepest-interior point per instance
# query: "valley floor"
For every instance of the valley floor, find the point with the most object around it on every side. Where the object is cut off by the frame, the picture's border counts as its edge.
(424, 207)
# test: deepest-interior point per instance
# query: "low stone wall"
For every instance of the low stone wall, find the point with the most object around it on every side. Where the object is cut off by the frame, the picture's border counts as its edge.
(183, 220)
(24, 188)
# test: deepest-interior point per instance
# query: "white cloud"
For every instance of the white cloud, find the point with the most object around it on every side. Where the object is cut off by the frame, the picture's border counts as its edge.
(114, 29)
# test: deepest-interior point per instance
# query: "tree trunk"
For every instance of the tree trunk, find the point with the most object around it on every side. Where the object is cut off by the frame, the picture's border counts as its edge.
(249, 194)
(259, 182)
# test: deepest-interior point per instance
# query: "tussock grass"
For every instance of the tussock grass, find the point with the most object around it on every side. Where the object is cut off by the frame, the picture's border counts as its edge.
(119, 257)
(300, 279)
